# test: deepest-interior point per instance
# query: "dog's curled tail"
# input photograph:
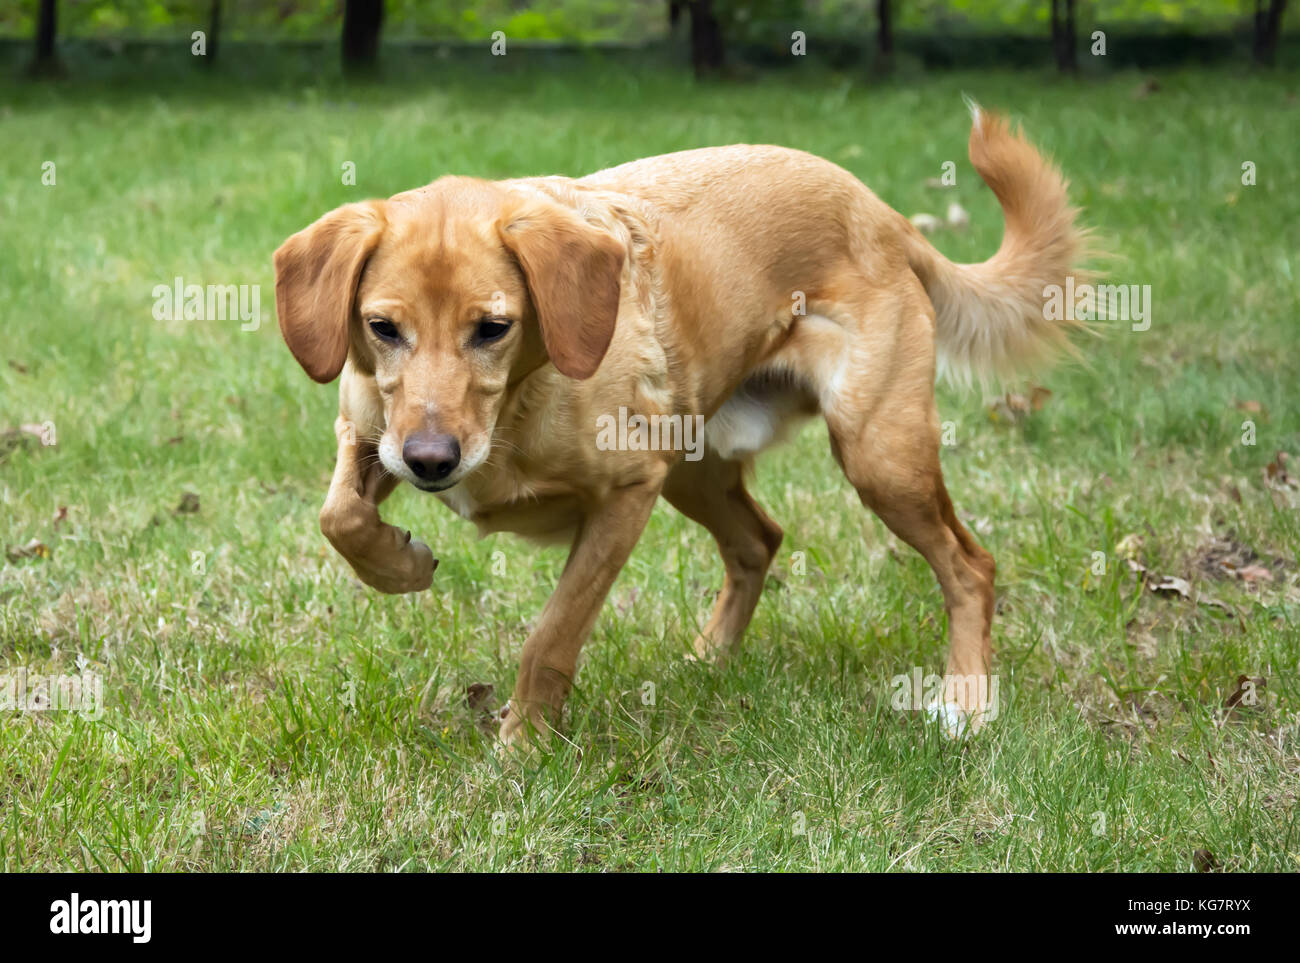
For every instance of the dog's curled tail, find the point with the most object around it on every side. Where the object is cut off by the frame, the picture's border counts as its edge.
(992, 318)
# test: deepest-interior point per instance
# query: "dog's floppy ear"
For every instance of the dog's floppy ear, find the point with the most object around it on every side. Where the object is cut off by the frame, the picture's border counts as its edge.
(316, 276)
(573, 272)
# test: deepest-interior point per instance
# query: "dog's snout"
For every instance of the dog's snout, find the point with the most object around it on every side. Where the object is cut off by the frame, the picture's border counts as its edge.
(431, 457)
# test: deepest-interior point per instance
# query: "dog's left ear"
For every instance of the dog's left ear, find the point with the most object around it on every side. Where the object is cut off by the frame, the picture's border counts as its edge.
(573, 272)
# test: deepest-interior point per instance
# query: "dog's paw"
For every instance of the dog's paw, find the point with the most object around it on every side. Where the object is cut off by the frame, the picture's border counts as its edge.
(522, 731)
(409, 568)
(709, 651)
(954, 721)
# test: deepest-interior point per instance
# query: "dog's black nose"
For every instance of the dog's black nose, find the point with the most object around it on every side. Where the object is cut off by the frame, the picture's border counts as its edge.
(432, 457)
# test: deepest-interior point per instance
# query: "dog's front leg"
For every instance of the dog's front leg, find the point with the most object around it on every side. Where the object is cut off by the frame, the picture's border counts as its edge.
(383, 556)
(550, 656)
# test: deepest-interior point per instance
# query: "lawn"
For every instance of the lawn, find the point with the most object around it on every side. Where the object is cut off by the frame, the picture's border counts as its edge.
(263, 711)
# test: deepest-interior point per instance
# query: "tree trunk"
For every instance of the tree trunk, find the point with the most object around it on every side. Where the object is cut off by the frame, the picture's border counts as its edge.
(1268, 26)
(885, 34)
(362, 20)
(214, 32)
(47, 61)
(707, 52)
(1063, 35)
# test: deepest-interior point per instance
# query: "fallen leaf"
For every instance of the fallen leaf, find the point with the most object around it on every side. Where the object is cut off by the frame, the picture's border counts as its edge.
(1010, 407)
(18, 366)
(1216, 604)
(1275, 473)
(12, 439)
(926, 223)
(33, 549)
(1171, 585)
(480, 698)
(1247, 688)
(478, 694)
(1013, 407)
(1253, 407)
(189, 504)
(1204, 861)
(1254, 573)
(60, 516)
(1129, 547)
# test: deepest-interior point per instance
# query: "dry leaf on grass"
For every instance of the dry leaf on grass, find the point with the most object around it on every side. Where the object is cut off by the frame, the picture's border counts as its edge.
(22, 436)
(926, 223)
(1276, 475)
(1247, 692)
(1254, 573)
(1014, 407)
(1204, 861)
(480, 699)
(1171, 585)
(1130, 547)
(478, 695)
(1226, 558)
(33, 549)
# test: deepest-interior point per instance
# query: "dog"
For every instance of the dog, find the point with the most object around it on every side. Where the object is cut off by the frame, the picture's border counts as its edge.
(484, 329)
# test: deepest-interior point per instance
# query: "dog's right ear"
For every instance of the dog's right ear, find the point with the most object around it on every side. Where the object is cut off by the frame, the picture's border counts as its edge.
(316, 276)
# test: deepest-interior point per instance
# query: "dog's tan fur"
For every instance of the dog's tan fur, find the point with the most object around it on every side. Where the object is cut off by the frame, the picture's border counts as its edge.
(751, 285)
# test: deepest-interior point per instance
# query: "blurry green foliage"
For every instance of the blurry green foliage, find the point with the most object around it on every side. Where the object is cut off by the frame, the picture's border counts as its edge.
(590, 20)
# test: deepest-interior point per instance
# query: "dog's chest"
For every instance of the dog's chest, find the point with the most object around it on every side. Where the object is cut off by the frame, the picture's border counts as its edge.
(498, 504)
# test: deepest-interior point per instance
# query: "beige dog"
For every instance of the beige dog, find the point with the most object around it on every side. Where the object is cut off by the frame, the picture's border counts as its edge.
(485, 330)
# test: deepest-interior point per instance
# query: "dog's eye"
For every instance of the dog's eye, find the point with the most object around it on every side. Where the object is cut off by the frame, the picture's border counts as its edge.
(385, 330)
(490, 329)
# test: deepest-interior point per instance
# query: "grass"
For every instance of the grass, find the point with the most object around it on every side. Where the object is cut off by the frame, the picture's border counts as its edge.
(264, 712)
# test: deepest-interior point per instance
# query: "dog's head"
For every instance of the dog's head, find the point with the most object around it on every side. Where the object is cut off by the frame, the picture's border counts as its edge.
(448, 295)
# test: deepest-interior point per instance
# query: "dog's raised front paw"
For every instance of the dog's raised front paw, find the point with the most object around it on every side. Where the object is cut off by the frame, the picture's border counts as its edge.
(408, 569)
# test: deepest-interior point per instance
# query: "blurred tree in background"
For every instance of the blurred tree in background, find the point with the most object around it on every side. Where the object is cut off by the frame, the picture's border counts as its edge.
(362, 22)
(706, 29)
(594, 20)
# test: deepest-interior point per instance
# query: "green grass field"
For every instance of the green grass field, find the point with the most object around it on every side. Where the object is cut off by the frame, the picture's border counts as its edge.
(263, 711)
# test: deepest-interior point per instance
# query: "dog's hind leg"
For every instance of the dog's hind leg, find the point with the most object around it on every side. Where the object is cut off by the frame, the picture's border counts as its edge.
(885, 434)
(711, 491)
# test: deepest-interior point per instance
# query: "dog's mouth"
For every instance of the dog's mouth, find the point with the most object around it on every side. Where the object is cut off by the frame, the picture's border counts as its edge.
(434, 487)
